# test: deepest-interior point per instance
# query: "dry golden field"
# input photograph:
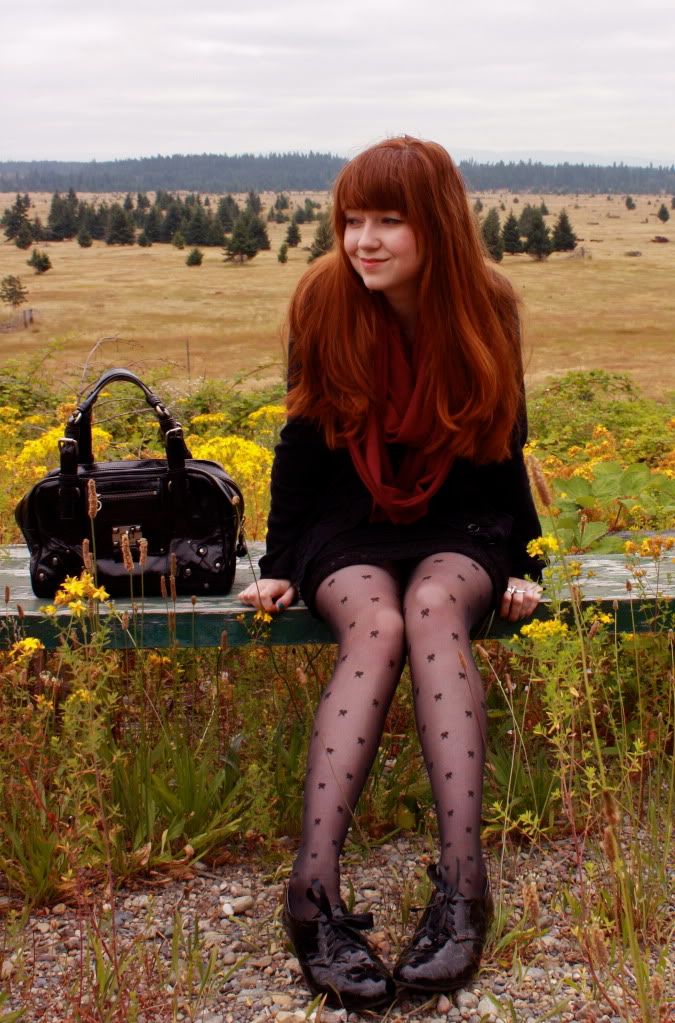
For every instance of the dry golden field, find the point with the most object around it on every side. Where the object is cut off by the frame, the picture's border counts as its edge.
(607, 310)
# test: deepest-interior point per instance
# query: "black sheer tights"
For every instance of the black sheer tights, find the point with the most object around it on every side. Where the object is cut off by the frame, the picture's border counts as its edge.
(377, 618)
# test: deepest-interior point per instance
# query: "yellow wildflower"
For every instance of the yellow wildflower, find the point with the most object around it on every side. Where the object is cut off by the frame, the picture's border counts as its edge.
(49, 610)
(77, 608)
(542, 546)
(81, 696)
(552, 628)
(99, 593)
(630, 547)
(25, 648)
(262, 616)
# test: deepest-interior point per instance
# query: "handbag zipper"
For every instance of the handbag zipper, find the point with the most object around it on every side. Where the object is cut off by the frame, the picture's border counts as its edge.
(128, 495)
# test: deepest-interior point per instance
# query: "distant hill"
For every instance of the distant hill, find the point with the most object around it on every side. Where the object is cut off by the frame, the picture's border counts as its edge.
(210, 172)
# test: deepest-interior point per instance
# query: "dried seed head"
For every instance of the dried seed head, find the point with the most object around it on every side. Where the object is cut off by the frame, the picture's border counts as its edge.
(162, 586)
(482, 653)
(629, 585)
(611, 812)
(92, 500)
(7, 594)
(594, 629)
(125, 621)
(462, 659)
(597, 946)
(87, 559)
(20, 611)
(126, 553)
(531, 906)
(172, 587)
(194, 600)
(224, 641)
(609, 844)
(302, 675)
(172, 564)
(142, 552)
(172, 620)
(615, 605)
(656, 988)
(540, 482)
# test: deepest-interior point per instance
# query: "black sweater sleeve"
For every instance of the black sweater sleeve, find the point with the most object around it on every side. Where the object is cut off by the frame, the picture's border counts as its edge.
(520, 504)
(297, 481)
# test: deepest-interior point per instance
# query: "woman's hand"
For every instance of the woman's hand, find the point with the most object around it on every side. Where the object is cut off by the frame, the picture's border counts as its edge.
(269, 594)
(520, 599)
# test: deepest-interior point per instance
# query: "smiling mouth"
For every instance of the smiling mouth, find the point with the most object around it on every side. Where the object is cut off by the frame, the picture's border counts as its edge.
(371, 262)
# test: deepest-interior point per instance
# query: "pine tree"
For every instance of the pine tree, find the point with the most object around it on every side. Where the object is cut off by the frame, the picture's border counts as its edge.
(543, 209)
(282, 254)
(216, 233)
(538, 238)
(171, 222)
(309, 211)
(293, 237)
(253, 203)
(564, 238)
(259, 232)
(663, 213)
(40, 261)
(178, 240)
(281, 202)
(15, 217)
(144, 241)
(120, 227)
(194, 258)
(492, 237)
(511, 235)
(323, 238)
(84, 238)
(527, 215)
(242, 244)
(128, 203)
(62, 219)
(630, 202)
(478, 207)
(227, 212)
(196, 230)
(152, 224)
(24, 236)
(12, 291)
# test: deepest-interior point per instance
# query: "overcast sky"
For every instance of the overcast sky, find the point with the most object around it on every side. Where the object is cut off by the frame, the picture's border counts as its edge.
(591, 79)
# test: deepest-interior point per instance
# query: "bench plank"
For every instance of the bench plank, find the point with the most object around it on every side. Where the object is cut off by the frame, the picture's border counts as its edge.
(217, 621)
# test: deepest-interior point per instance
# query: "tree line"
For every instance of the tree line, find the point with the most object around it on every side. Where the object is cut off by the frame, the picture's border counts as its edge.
(220, 173)
(191, 220)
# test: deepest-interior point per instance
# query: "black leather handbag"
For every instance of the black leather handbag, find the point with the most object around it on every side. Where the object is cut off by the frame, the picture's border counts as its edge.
(178, 512)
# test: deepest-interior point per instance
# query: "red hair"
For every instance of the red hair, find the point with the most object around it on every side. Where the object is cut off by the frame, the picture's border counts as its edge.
(467, 312)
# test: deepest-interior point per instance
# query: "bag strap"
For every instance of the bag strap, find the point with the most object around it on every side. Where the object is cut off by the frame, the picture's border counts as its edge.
(78, 427)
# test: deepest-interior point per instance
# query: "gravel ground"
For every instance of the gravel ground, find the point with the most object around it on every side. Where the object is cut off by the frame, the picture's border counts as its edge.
(256, 979)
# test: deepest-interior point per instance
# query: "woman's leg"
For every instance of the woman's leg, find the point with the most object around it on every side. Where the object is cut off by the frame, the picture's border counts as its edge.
(445, 595)
(362, 605)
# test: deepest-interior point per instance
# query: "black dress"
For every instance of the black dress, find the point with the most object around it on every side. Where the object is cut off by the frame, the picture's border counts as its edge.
(320, 515)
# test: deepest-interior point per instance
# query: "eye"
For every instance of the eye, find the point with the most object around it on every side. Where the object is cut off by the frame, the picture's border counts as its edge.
(352, 221)
(392, 220)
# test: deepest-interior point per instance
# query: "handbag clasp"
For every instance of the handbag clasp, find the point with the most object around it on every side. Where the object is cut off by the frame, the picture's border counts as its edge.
(134, 533)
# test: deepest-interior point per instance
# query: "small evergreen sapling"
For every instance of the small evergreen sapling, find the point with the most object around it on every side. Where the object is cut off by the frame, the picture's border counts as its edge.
(40, 262)
(12, 291)
(630, 202)
(492, 237)
(194, 257)
(564, 238)
(511, 235)
(323, 238)
(282, 254)
(663, 213)
(538, 239)
(293, 237)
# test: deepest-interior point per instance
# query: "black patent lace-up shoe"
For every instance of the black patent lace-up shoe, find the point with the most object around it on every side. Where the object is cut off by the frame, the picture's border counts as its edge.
(446, 948)
(334, 956)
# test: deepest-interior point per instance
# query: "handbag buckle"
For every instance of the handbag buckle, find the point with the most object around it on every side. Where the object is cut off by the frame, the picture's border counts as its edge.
(135, 534)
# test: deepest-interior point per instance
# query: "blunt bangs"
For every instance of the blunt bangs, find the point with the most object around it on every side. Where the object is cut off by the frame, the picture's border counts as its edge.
(378, 179)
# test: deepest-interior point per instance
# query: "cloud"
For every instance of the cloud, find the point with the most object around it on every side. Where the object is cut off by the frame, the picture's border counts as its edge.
(129, 78)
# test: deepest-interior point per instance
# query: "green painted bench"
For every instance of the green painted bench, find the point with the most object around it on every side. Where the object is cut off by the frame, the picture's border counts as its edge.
(223, 621)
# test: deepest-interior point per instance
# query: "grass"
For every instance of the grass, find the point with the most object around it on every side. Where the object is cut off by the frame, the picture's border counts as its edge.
(610, 311)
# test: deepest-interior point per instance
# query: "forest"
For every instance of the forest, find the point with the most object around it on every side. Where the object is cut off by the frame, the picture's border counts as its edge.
(211, 172)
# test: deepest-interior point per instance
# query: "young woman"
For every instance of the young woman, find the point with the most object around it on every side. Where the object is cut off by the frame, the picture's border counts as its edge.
(401, 511)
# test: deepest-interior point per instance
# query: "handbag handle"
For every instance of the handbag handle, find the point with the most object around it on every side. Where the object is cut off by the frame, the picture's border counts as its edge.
(78, 427)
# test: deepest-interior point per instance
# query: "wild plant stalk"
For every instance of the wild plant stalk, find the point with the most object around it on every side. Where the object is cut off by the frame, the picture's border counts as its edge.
(623, 881)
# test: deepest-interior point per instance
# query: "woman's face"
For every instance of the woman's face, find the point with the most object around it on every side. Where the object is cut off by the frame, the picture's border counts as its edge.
(383, 250)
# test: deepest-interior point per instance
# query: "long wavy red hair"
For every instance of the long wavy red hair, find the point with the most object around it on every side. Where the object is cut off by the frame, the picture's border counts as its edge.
(467, 312)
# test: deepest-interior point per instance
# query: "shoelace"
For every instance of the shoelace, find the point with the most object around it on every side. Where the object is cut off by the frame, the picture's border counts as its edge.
(342, 925)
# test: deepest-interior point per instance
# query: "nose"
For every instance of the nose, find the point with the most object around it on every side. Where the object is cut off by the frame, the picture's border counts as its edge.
(368, 237)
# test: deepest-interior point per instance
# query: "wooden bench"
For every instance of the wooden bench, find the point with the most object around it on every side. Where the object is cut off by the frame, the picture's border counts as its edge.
(223, 621)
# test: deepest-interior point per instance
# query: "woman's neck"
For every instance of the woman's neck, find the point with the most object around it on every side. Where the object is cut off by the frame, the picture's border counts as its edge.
(406, 314)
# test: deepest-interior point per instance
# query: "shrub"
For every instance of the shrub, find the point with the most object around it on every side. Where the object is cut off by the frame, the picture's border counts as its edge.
(194, 257)
(39, 261)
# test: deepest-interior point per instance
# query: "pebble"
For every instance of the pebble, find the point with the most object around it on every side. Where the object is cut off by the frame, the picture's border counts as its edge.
(242, 904)
(237, 912)
(466, 999)
(486, 1007)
